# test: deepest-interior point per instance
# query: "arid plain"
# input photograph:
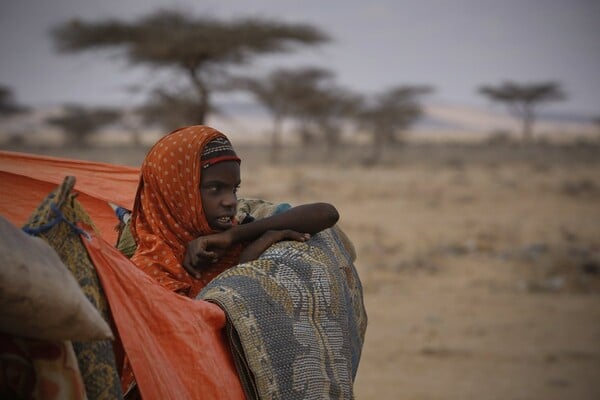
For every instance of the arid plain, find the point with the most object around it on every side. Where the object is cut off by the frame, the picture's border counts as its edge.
(480, 263)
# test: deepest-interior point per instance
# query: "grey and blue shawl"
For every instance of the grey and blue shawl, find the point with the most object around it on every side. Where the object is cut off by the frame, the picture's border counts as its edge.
(296, 318)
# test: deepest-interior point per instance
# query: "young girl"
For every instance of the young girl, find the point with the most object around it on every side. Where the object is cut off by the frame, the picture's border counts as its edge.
(183, 220)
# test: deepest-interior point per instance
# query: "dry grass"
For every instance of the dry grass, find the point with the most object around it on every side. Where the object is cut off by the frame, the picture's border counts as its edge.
(480, 264)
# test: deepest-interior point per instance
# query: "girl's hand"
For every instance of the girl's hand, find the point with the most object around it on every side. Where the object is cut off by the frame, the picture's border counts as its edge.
(205, 250)
(257, 247)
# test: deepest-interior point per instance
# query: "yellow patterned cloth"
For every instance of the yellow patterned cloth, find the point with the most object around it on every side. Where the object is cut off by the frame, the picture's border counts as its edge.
(96, 358)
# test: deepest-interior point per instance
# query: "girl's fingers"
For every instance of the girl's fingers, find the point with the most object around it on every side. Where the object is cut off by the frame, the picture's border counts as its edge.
(187, 265)
(297, 236)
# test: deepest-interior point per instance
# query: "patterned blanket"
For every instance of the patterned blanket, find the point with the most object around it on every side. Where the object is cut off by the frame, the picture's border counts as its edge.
(296, 319)
(54, 225)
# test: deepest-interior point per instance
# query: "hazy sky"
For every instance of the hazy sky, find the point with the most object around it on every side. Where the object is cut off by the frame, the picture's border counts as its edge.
(452, 45)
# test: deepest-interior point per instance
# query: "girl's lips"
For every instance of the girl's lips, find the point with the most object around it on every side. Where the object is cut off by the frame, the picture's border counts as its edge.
(225, 220)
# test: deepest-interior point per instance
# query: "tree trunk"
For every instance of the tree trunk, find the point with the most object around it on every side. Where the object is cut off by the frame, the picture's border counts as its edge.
(203, 96)
(377, 149)
(276, 139)
(528, 120)
(306, 137)
(136, 135)
(332, 138)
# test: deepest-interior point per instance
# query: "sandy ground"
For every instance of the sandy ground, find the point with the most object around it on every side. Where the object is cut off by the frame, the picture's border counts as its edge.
(480, 265)
(481, 276)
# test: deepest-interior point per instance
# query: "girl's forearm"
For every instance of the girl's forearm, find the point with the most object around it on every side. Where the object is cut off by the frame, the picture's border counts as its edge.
(307, 218)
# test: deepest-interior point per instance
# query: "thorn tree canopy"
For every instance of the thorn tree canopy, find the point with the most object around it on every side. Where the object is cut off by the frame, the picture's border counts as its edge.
(78, 122)
(200, 47)
(8, 104)
(391, 112)
(284, 93)
(522, 99)
(394, 110)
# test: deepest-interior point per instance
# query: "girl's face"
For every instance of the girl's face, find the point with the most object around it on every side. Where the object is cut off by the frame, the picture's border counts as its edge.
(218, 189)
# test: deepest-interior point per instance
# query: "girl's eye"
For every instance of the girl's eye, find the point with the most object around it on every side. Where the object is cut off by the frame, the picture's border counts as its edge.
(216, 188)
(211, 188)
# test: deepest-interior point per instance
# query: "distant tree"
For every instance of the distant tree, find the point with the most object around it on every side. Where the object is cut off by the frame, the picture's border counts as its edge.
(596, 122)
(78, 122)
(323, 111)
(390, 113)
(522, 100)
(170, 110)
(8, 104)
(281, 92)
(201, 48)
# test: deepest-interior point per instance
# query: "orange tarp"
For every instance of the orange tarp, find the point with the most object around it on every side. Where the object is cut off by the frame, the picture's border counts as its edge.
(26, 179)
(175, 345)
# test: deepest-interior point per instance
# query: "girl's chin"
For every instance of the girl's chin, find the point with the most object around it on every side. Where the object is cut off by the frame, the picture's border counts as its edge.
(219, 227)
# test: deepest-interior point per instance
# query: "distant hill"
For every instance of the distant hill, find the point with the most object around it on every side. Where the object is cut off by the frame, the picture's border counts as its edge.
(250, 122)
(477, 120)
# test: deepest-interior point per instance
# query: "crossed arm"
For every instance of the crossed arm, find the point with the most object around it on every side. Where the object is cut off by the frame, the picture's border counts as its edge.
(297, 223)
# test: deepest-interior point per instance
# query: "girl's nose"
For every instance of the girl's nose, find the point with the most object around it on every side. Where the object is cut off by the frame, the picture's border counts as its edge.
(230, 200)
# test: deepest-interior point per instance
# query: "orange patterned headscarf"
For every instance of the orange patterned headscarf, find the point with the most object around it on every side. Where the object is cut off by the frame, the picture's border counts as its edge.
(168, 211)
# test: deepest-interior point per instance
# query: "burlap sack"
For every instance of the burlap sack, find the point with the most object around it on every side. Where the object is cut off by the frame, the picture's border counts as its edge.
(39, 297)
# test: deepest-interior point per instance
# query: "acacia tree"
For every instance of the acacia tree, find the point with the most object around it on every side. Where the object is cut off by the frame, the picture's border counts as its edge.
(8, 104)
(280, 92)
(324, 109)
(390, 113)
(169, 110)
(10, 107)
(522, 100)
(199, 47)
(79, 122)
